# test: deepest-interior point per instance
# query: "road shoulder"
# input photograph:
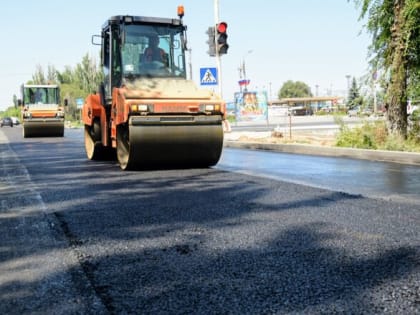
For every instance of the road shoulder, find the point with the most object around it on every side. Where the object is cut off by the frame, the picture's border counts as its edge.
(38, 271)
(264, 141)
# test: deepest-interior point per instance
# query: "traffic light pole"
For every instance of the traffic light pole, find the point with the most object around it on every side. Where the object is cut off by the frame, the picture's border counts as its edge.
(218, 59)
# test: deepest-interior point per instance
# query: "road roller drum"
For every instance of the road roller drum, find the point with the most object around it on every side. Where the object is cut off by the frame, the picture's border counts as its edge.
(148, 144)
(43, 129)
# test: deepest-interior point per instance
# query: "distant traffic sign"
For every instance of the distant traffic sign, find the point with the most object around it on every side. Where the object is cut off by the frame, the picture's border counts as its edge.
(79, 102)
(208, 76)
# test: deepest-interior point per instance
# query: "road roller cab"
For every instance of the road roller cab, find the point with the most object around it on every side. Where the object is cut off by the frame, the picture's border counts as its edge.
(42, 113)
(147, 113)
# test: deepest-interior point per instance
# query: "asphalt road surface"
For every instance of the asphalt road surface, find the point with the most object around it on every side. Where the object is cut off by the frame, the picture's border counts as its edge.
(386, 180)
(83, 237)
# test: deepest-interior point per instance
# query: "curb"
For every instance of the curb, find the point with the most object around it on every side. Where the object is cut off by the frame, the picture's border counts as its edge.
(411, 158)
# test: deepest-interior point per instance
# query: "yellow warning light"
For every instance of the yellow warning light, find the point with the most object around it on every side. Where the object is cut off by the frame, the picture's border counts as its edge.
(180, 11)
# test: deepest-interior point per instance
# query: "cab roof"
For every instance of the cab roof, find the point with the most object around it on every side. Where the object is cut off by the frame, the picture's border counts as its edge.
(130, 19)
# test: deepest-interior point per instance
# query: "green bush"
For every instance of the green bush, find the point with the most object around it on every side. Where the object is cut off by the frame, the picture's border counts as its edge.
(358, 137)
(374, 135)
(11, 112)
(414, 127)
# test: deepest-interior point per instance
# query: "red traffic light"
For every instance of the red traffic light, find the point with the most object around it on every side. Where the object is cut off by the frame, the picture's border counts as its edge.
(221, 27)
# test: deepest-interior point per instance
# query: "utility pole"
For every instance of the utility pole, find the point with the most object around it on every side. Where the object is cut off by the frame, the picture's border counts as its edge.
(348, 76)
(375, 104)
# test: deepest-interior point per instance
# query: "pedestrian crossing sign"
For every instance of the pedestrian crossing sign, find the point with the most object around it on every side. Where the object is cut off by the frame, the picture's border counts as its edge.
(208, 76)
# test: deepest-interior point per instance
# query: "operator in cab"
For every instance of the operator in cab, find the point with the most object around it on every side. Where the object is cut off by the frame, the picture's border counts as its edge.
(153, 52)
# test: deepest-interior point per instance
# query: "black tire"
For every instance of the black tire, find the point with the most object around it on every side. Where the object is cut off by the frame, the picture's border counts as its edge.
(93, 144)
(123, 148)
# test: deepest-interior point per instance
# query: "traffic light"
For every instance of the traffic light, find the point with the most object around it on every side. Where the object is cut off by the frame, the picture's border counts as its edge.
(221, 38)
(211, 41)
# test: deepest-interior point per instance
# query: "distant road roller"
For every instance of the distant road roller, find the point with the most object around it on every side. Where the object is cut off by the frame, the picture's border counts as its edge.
(42, 113)
(147, 113)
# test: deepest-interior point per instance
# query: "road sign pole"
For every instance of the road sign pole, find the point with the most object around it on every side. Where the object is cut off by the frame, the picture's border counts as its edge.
(219, 73)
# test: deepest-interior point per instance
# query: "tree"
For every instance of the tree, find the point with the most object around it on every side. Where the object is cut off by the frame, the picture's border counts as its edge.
(294, 89)
(87, 74)
(414, 86)
(79, 82)
(51, 77)
(67, 76)
(395, 48)
(72, 92)
(38, 77)
(354, 98)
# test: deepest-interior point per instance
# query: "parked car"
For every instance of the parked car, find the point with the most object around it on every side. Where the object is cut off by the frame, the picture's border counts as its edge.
(299, 111)
(366, 112)
(15, 120)
(353, 112)
(6, 121)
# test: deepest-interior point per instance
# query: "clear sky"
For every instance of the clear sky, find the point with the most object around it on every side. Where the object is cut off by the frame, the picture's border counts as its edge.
(318, 42)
